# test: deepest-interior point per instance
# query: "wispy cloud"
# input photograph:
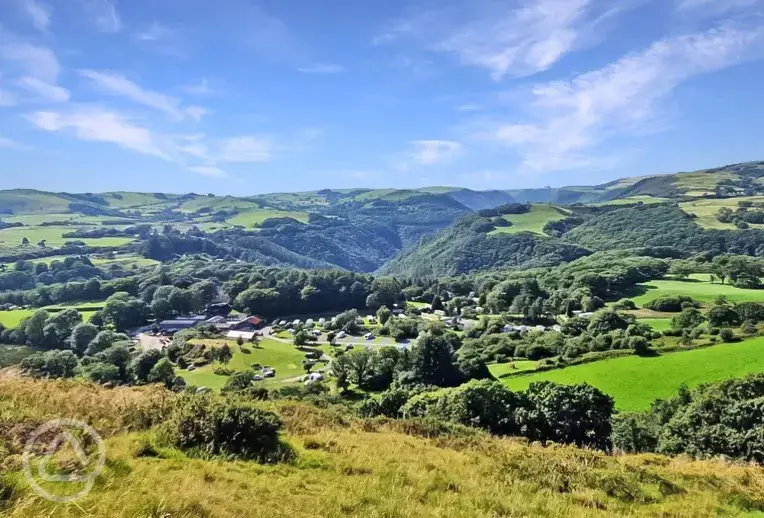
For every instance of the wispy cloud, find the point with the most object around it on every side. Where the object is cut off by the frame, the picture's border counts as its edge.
(429, 152)
(196, 112)
(714, 6)
(155, 32)
(104, 15)
(208, 170)
(100, 125)
(39, 13)
(247, 148)
(571, 118)
(517, 38)
(10, 143)
(201, 88)
(322, 68)
(39, 62)
(115, 84)
(47, 91)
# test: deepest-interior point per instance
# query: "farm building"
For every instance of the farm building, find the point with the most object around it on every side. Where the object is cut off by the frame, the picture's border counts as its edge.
(244, 335)
(179, 324)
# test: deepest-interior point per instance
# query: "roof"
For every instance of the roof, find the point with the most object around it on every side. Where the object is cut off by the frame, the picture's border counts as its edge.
(179, 322)
(216, 320)
(246, 335)
(254, 319)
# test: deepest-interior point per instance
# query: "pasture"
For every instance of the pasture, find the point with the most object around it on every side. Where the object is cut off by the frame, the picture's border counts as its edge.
(285, 358)
(250, 218)
(10, 319)
(701, 290)
(659, 324)
(533, 221)
(645, 199)
(53, 236)
(706, 210)
(635, 382)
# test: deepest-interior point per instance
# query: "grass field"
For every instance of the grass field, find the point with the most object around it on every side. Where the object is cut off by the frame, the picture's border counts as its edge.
(706, 210)
(10, 319)
(285, 358)
(700, 290)
(635, 382)
(12, 237)
(659, 324)
(647, 200)
(532, 221)
(500, 369)
(252, 217)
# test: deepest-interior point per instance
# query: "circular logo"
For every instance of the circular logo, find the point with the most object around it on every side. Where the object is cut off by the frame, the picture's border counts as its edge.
(62, 459)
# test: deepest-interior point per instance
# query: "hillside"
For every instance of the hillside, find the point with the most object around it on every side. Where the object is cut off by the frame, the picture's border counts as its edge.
(346, 466)
(396, 230)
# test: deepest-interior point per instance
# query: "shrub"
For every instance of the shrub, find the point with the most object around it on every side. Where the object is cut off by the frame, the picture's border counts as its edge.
(635, 432)
(727, 335)
(214, 425)
(671, 304)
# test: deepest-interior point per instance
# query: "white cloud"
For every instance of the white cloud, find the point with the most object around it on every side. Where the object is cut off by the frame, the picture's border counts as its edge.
(714, 6)
(39, 13)
(39, 62)
(9, 143)
(156, 32)
(98, 125)
(196, 112)
(431, 152)
(104, 14)
(45, 90)
(322, 68)
(468, 108)
(573, 117)
(247, 148)
(200, 88)
(516, 39)
(116, 84)
(208, 170)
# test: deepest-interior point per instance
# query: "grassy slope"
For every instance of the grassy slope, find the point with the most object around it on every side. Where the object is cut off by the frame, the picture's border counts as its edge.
(635, 382)
(251, 217)
(11, 237)
(285, 358)
(649, 200)
(706, 210)
(659, 324)
(348, 467)
(532, 221)
(702, 291)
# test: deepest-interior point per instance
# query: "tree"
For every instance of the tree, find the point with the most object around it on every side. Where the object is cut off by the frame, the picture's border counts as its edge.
(34, 328)
(103, 340)
(608, 320)
(141, 366)
(81, 336)
(383, 315)
(727, 335)
(224, 353)
(434, 362)
(124, 311)
(24, 241)
(437, 303)
(687, 319)
(162, 372)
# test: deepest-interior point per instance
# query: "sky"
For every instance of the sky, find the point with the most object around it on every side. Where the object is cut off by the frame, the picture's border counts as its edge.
(252, 96)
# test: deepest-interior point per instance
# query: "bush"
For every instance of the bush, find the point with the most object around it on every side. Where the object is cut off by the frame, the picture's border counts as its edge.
(727, 335)
(635, 432)
(214, 425)
(671, 304)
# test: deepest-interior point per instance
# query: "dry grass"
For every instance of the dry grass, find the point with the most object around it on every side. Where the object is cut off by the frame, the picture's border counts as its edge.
(350, 467)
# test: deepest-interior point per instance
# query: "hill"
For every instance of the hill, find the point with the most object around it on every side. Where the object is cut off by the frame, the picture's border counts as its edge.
(347, 466)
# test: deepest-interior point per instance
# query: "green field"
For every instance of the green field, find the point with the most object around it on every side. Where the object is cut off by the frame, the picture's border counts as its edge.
(500, 369)
(532, 221)
(252, 217)
(647, 200)
(706, 210)
(285, 358)
(635, 382)
(12, 237)
(659, 324)
(10, 319)
(702, 291)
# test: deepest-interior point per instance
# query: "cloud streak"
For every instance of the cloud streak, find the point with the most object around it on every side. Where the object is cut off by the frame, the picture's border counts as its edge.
(509, 39)
(322, 68)
(115, 84)
(573, 117)
(39, 13)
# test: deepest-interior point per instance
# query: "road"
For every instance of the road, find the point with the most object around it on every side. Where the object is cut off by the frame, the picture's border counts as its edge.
(350, 340)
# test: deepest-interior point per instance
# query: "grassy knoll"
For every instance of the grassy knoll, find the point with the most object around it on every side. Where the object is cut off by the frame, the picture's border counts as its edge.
(10, 319)
(645, 199)
(706, 210)
(12, 237)
(700, 290)
(500, 369)
(635, 381)
(285, 358)
(252, 217)
(659, 324)
(345, 466)
(534, 220)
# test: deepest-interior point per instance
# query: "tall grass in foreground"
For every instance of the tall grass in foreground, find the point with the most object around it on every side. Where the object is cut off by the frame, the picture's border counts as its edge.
(346, 466)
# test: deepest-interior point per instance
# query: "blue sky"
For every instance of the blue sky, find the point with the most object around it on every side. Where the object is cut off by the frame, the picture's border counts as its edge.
(245, 96)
